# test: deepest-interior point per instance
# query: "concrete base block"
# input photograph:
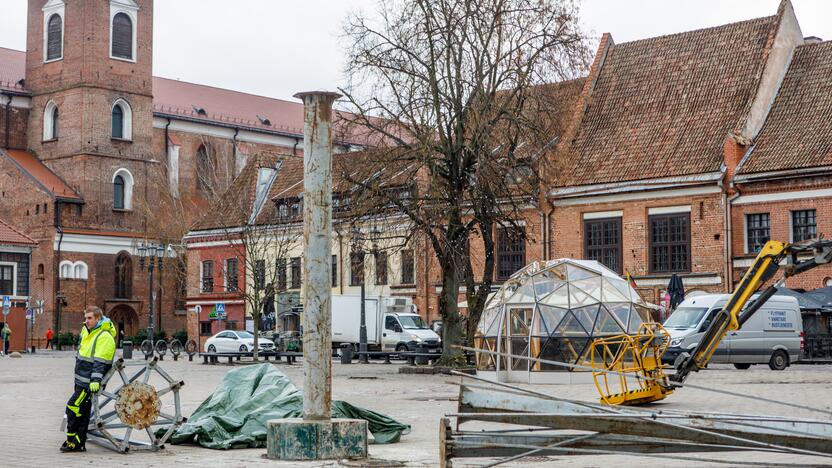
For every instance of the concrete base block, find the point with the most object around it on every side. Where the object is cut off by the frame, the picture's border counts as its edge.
(296, 439)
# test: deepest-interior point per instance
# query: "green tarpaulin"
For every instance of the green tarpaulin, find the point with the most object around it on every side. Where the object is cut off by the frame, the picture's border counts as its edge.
(235, 415)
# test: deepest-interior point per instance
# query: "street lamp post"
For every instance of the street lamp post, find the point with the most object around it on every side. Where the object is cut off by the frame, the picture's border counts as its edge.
(358, 246)
(153, 254)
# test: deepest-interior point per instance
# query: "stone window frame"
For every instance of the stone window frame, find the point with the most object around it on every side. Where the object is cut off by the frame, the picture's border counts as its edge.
(129, 182)
(72, 270)
(126, 119)
(51, 121)
(131, 9)
(52, 8)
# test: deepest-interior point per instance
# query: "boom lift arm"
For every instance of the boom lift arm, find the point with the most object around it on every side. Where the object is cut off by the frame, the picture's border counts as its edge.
(732, 316)
(639, 356)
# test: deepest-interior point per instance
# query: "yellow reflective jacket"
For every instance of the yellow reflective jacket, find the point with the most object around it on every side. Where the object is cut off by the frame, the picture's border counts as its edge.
(96, 353)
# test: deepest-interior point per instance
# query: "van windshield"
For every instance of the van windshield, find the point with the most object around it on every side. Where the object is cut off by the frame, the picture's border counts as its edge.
(685, 317)
(412, 322)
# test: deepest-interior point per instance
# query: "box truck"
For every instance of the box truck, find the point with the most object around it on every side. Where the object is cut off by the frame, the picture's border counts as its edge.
(393, 324)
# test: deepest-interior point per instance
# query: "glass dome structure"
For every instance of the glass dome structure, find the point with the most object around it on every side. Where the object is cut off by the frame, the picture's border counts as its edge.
(554, 310)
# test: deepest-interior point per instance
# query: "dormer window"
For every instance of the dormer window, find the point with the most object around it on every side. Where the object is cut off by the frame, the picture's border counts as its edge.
(53, 30)
(123, 16)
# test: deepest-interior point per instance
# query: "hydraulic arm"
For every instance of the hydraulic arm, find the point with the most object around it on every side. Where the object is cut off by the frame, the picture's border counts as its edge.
(646, 353)
(734, 314)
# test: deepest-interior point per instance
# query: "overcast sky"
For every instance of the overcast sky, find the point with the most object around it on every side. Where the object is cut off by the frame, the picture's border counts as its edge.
(279, 47)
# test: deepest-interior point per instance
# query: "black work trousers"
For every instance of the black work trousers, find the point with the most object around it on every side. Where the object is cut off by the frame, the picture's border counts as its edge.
(78, 415)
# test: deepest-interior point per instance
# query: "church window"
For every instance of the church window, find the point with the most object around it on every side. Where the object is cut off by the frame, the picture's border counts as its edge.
(123, 190)
(118, 122)
(204, 169)
(50, 122)
(122, 36)
(53, 30)
(123, 276)
(122, 120)
(54, 38)
(118, 193)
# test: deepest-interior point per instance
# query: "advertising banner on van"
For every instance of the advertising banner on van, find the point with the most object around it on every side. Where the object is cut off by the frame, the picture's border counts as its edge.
(779, 320)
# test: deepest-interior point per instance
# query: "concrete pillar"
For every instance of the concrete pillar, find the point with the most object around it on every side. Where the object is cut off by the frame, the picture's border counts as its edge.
(317, 436)
(317, 235)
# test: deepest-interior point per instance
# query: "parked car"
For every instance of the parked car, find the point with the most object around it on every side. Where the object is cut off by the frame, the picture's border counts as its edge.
(230, 341)
(773, 335)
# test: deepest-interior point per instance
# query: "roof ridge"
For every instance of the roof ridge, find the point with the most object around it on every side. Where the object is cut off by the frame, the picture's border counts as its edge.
(682, 33)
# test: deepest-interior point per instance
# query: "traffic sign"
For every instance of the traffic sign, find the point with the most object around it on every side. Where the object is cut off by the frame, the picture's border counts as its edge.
(7, 304)
(220, 309)
(198, 309)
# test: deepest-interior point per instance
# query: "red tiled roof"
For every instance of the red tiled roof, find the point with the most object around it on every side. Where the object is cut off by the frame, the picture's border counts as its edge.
(12, 68)
(42, 175)
(11, 236)
(233, 107)
(798, 130)
(663, 106)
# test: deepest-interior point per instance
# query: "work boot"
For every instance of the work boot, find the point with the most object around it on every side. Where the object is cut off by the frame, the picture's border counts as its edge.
(72, 447)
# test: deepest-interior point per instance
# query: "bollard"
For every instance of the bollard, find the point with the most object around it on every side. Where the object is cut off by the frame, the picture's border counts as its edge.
(421, 359)
(346, 353)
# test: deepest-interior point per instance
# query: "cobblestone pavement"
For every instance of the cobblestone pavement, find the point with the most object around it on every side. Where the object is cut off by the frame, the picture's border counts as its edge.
(34, 389)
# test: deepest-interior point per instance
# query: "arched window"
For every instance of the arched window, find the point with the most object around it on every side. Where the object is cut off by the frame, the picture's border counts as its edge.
(122, 40)
(204, 169)
(118, 193)
(50, 121)
(54, 38)
(122, 120)
(118, 122)
(66, 270)
(79, 270)
(123, 276)
(123, 190)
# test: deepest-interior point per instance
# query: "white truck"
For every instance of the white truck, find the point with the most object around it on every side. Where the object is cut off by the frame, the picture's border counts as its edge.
(392, 324)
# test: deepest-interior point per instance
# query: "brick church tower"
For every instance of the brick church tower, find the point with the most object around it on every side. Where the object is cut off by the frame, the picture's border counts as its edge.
(90, 149)
(89, 69)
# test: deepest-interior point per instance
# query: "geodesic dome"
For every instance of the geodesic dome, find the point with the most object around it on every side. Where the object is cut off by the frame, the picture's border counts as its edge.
(554, 310)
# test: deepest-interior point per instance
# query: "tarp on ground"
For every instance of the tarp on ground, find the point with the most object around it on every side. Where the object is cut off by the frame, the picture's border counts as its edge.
(235, 415)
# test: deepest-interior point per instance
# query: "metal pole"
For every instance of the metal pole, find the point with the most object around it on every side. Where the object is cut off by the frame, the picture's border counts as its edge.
(150, 335)
(317, 240)
(362, 345)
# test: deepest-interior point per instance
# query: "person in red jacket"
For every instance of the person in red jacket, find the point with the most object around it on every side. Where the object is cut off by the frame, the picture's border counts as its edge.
(49, 335)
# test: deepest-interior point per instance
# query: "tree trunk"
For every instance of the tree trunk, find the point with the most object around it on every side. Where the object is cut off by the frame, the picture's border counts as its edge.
(451, 329)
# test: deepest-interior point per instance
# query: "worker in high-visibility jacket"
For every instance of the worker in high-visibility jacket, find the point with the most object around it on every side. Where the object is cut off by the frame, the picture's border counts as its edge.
(94, 360)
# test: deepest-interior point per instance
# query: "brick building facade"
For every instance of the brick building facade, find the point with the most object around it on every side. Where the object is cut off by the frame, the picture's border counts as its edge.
(99, 155)
(675, 145)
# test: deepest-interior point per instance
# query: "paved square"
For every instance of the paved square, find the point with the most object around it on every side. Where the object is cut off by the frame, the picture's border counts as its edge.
(33, 391)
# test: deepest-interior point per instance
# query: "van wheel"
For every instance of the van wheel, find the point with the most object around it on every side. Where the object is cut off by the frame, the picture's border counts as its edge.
(779, 360)
(401, 348)
(742, 366)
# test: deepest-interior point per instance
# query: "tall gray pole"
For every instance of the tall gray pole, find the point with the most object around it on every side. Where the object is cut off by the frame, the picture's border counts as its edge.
(317, 245)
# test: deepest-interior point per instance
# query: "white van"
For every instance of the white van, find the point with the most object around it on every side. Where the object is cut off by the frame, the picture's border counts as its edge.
(773, 335)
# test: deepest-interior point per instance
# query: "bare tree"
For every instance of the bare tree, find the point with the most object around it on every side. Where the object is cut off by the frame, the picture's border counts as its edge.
(258, 238)
(454, 91)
